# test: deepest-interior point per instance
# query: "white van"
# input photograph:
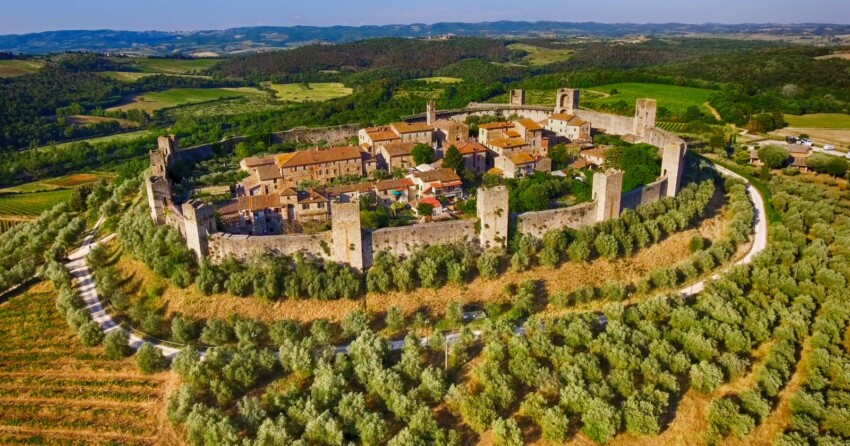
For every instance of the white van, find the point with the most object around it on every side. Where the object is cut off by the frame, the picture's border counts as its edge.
(828, 148)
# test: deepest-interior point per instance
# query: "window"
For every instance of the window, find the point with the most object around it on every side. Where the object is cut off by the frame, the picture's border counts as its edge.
(321, 205)
(305, 207)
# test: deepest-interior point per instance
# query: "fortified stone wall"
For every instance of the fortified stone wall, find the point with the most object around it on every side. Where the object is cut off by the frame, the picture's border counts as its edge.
(403, 241)
(333, 135)
(612, 124)
(241, 246)
(536, 224)
(643, 195)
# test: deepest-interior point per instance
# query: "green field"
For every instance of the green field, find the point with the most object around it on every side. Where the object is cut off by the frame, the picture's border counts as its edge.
(132, 76)
(317, 92)
(441, 80)
(151, 102)
(674, 98)
(31, 204)
(171, 66)
(100, 139)
(13, 68)
(819, 121)
(541, 56)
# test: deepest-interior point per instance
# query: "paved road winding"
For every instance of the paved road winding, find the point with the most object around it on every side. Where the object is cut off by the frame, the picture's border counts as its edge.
(85, 282)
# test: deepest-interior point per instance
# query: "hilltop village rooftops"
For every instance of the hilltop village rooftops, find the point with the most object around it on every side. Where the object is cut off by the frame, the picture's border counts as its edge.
(497, 125)
(349, 188)
(256, 161)
(569, 119)
(399, 148)
(507, 143)
(394, 184)
(268, 172)
(416, 127)
(471, 147)
(380, 134)
(319, 156)
(257, 202)
(446, 176)
(529, 125)
(520, 159)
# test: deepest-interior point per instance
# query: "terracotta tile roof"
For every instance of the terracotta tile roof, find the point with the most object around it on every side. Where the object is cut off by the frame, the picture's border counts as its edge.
(269, 172)
(348, 188)
(258, 202)
(495, 171)
(596, 153)
(497, 125)
(399, 148)
(319, 156)
(513, 134)
(394, 184)
(379, 134)
(443, 175)
(528, 124)
(283, 158)
(580, 163)
(255, 161)
(569, 119)
(799, 160)
(435, 203)
(231, 207)
(522, 158)
(446, 124)
(251, 182)
(798, 149)
(311, 196)
(507, 143)
(468, 148)
(416, 127)
(288, 192)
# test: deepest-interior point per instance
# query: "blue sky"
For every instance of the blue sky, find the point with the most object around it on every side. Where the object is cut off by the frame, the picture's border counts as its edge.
(22, 16)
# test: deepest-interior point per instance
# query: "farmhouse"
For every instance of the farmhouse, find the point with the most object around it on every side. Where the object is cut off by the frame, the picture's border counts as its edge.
(569, 126)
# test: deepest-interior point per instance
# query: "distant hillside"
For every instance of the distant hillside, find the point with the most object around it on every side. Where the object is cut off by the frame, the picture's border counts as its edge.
(267, 37)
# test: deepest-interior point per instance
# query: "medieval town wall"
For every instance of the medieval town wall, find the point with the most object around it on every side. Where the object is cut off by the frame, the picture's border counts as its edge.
(241, 246)
(650, 193)
(404, 240)
(612, 124)
(536, 224)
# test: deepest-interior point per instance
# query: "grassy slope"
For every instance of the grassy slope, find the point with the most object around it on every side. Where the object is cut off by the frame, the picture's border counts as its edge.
(541, 56)
(310, 92)
(674, 98)
(172, 66)
(54, 391)
(13, 68)
(32, 204)
(819, 121)
(179, 96)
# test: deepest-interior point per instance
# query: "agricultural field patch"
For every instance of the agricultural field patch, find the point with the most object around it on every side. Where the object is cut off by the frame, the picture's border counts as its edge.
(441, 80)
(310, 92)
(101, 139)
(819, 121)
(55, 391)
(31, 204)
(15, 68)
(86, 119)
(171, 66)
(151, 102)
(542, 56)
(674, 98)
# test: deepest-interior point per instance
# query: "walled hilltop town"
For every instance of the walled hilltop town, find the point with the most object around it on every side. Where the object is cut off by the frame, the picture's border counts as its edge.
(269, 198)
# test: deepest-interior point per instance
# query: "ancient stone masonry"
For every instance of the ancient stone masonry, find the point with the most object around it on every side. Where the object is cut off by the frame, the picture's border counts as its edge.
(493, 214)
(348, 243)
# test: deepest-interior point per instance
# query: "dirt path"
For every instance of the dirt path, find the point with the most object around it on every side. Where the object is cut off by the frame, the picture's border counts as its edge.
(713, 111)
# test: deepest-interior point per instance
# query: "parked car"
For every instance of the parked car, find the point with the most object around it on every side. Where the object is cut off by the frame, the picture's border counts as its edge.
(791, 140)
(806, 142)
(828, 148)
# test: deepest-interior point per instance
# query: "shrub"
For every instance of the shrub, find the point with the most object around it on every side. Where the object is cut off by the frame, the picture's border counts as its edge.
(697, 243)
(90, 334)
(115, 345)
(150, 359)
(488, 265)
(705, 377)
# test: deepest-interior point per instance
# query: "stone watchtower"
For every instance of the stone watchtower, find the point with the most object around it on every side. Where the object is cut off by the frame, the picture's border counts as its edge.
(607, 193)
(566, 101)
(347, 237)
(161, 159)
(518, 97)
(199, 224)
(159, 195)
(645, 112)
(430, 113)
(493, 215)
(672, 166)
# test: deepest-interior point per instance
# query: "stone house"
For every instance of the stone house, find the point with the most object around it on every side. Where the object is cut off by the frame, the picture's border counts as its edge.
(370, 137)
(447, 133)
(595, 156)
(474, 156)
(522, 164)
(321, 165)
(396, 155)
(392, 191)
(569, 126)
(349, 193)
(441, 182)
(418, 132)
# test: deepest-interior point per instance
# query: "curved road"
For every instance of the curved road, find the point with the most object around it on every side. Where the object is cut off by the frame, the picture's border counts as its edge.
(85, 285)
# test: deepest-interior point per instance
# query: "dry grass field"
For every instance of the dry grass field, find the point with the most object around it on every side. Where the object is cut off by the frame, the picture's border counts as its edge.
(53, 391)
